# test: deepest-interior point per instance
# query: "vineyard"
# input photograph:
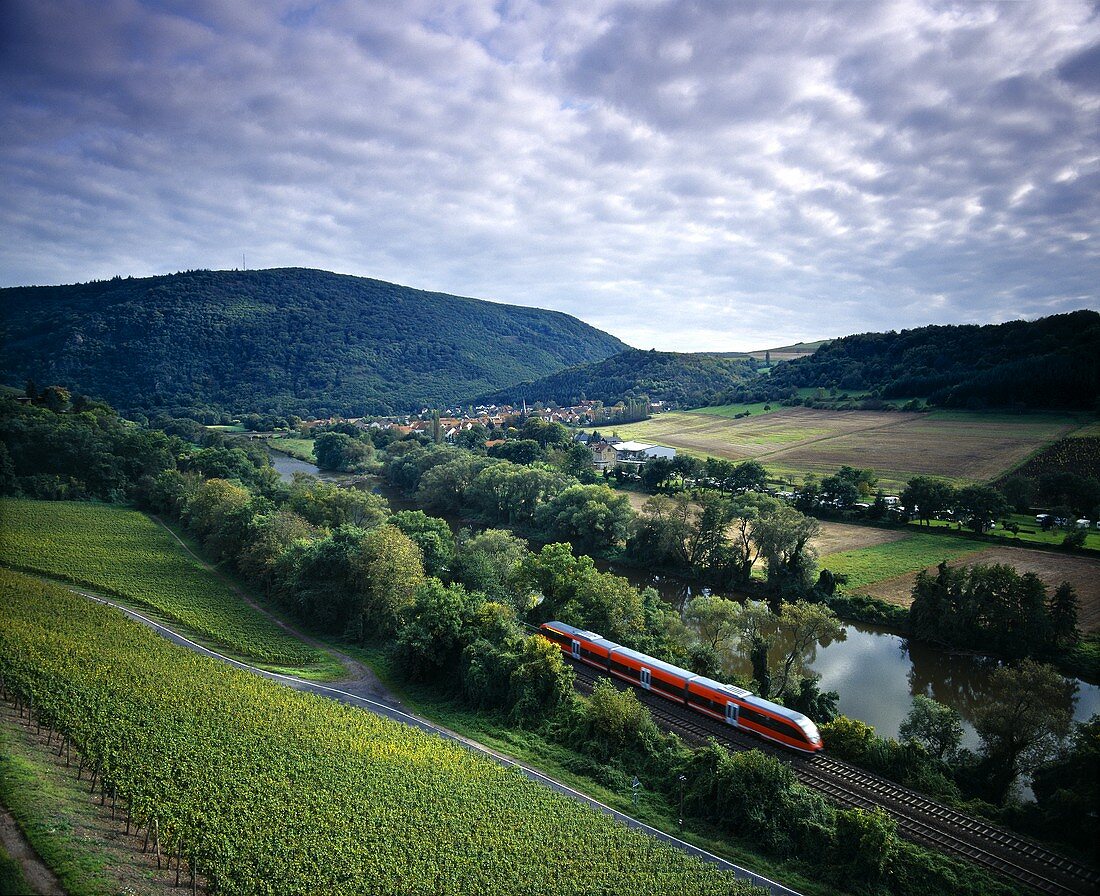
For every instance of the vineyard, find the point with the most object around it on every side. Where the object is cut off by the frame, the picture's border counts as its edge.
(124, 553)
(1074, 455)
(262, 790)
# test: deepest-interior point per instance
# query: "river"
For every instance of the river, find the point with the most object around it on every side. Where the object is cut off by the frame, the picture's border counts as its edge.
(876, 672)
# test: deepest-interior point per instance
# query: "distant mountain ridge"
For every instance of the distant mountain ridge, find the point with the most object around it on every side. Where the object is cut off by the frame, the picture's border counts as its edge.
(684, 379)
(287, 340)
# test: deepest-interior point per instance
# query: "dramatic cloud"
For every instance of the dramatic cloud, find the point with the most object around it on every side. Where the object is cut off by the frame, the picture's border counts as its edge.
(686, 175)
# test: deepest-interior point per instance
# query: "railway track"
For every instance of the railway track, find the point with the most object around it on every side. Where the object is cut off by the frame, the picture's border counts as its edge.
(918, 818)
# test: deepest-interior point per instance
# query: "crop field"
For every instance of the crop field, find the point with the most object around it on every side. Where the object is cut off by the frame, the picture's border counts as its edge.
(124, 553)
(791, 442)
(267, 790)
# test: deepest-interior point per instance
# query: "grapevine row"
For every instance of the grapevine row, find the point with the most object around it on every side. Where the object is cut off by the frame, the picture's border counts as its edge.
(268, 791)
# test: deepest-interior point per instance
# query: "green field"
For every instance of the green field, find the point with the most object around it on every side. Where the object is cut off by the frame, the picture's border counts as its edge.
(299, 448)
(276, 792)
(961, 447)
(124, 553)
(866, 566)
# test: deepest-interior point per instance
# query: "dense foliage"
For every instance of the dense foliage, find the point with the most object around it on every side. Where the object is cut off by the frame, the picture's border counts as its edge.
(1053, 362)
(267, 791)
(993, 609)
(687, 380)
(287, 341)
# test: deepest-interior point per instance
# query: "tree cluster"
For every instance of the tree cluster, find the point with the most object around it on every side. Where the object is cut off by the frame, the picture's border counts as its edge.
(993, 609)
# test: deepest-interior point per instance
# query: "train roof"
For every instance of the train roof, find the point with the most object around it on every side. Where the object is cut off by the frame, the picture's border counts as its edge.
(653, 663)
(567, 629)
(721, 686)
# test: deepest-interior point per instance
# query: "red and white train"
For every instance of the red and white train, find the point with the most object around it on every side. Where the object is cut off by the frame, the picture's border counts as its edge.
(730, 704)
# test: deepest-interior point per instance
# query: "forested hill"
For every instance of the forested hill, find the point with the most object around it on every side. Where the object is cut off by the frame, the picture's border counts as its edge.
(688, 380)
(287, 341)
(1053, 362)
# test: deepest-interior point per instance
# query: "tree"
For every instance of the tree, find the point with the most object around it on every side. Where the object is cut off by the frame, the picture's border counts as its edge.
(338, 451)
(811, 701)
(980, 506)
(927, 497)
(432, 535)
(489, 562)
(1026, 714)
(325, 504)
(593, 517)
(744, 549)
(1067, 789)
(656, 473)
(783, 535)
(1019, 491)
(1062, 611)
(540, 681)
(434, 629)
(388, 568)
(801, 627)
(716, 619)
(749, 476)
(936, 727)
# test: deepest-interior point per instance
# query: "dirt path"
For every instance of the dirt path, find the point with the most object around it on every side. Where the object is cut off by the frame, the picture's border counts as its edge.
(42, 881)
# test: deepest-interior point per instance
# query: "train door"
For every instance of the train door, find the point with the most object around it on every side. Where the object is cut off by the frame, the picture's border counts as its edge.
(731, 713)
(576, 650)
(645, 678)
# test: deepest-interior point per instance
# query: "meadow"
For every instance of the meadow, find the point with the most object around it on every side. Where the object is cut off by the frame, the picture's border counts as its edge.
(123, 553)
(961, 447)
(875, 563)
(264, 790)
(299, 448)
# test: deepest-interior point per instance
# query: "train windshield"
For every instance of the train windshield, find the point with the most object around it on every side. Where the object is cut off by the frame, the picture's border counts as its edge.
(810, 730)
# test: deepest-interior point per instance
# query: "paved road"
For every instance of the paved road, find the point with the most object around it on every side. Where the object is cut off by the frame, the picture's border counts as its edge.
(363, 693)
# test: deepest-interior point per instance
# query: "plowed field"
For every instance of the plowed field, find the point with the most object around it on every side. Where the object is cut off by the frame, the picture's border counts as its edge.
(960, 447)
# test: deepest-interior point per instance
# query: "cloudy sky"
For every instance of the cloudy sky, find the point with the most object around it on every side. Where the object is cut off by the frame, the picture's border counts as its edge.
(690, 176)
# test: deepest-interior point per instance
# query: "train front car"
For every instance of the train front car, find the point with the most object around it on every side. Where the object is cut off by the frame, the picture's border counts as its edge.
(733, 705)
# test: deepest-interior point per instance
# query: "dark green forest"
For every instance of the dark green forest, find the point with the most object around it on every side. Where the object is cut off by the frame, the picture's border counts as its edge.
(687, 380)
(1053, 362)
(288, 341)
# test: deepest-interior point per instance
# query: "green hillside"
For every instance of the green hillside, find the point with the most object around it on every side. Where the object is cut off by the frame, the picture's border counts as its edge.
(285, 341)
(1053, 362)
(687, 380)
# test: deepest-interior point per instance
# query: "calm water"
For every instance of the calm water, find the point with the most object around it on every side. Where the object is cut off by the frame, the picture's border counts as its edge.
(875, 672)
(286, 466)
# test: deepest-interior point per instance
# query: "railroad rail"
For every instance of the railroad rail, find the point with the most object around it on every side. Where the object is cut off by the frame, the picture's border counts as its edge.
(923, 820)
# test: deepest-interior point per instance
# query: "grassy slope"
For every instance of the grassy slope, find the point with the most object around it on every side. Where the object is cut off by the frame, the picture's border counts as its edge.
(124, 553)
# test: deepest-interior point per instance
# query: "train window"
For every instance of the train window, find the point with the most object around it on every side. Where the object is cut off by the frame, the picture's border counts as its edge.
(623, 669)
